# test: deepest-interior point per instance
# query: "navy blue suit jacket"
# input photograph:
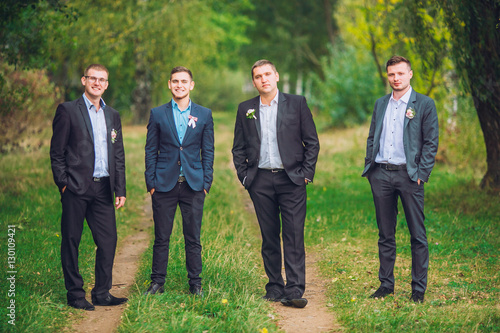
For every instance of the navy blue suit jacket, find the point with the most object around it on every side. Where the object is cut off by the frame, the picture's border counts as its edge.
(165, 154)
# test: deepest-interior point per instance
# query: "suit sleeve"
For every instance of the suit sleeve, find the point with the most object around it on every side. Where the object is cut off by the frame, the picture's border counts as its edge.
(310, 141)
(58, 144)
(430, 140)
(240, 159)
(207, 152)
(120, 186)
(151, 149)
(369, 141)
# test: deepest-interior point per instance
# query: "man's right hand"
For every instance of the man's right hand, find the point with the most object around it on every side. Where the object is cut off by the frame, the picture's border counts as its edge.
(64, 189)
(152, 191)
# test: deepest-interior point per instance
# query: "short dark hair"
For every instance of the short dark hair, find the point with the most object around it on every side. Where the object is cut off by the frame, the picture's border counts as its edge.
(263, 62)
(396, 60)
(97, 67)
(180, 69)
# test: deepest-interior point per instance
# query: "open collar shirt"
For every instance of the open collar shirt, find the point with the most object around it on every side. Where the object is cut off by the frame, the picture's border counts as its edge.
(269, 153)
(99, 130)
(392, 149)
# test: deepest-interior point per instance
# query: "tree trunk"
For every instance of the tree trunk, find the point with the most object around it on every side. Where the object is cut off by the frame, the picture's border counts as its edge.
(489, 119)
(141, 95)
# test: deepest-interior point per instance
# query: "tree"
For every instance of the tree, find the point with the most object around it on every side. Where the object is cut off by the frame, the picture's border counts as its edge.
(294, 34)
(475, 30)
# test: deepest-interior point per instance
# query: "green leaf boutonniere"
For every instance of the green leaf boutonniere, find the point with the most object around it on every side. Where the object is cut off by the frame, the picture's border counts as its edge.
(251, 114)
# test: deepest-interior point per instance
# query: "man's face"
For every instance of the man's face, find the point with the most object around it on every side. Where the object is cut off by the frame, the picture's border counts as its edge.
(265, 80)
(180, 84)
(399, 76)
(95, 82)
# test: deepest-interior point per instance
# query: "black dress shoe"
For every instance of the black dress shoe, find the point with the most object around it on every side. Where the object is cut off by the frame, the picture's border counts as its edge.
(273, 296)
(108, 300)
(417, 296)
(81, 304)
(294, 300)
(382, 292)
(196, 290)
(155, 288)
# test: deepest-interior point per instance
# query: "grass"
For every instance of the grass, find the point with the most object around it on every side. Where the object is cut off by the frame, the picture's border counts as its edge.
(464, 237)
(462, 225)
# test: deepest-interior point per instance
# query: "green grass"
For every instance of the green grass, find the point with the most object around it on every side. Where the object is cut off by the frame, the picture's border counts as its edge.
(464, 238)
(30, 200)
(462, 225)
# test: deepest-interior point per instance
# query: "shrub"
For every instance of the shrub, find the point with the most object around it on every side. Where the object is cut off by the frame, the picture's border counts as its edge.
(28, 100)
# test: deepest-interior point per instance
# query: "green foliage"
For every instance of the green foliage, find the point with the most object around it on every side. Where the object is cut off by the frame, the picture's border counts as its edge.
(28, 100)
(22, 39)
(349, 89)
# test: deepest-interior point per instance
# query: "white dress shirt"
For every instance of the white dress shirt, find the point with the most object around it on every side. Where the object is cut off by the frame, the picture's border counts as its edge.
(269, 153)
(392, 150)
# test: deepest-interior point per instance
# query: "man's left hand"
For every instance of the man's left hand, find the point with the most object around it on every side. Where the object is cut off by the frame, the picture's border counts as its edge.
(120, 202)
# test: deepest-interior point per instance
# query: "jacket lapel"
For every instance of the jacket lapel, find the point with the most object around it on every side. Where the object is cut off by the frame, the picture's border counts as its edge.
(380, 121)
(256, 107)
(86, 118)
(281, 110)
(195, 113)
(171, 121)
(411, 103)
(109, 127)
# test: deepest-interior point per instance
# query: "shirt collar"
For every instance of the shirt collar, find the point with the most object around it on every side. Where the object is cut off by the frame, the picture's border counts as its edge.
(89, 104)
(175, 106)
(405, 98)
(274, 101)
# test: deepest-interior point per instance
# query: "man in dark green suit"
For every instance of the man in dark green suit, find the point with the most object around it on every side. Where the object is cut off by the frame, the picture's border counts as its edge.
(400, 154)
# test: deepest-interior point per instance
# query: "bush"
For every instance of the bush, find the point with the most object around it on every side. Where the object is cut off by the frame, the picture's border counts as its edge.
(28, 100)
(349, 89)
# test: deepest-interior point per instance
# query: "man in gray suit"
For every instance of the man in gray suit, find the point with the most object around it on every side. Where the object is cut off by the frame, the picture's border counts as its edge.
(400, 154)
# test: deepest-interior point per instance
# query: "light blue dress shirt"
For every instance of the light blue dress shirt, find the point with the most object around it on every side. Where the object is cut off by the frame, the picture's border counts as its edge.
(181, 119)
(392, 149)
(99, 131)
(269, 152)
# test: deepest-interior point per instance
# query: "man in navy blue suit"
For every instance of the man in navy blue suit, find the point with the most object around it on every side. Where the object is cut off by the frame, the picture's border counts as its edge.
(179, 171)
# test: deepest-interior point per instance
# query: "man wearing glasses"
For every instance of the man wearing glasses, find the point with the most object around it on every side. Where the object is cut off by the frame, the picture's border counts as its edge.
(88, 165)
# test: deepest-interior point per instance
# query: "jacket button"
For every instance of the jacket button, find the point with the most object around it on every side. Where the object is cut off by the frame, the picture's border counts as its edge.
(181, 148)
(179, 162)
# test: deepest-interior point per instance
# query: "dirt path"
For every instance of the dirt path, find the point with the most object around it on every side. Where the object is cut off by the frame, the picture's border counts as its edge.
(105, 319)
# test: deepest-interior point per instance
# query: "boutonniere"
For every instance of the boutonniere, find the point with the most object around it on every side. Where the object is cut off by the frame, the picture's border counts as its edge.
(192, 121)
(114, 134)
(410, 113)
(251, 114)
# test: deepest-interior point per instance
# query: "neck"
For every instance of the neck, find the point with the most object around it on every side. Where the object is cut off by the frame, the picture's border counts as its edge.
(398, 94)
(96, 100)
(183, 103)
(268, 98)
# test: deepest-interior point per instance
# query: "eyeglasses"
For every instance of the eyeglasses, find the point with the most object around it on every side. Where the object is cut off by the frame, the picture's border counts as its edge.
(93, 79)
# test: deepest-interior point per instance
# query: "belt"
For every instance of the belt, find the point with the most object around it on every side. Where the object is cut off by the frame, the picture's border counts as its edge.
(181, 179)
(391, 167)
(273, 170)
(99, 179)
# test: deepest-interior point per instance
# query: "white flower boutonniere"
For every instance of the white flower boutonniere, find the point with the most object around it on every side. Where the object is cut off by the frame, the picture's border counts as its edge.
(251, 114)
(192, 121)
(114, 134)
(410, 113)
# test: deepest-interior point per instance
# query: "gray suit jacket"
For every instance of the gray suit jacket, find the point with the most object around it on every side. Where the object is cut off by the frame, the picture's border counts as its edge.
(420, 136)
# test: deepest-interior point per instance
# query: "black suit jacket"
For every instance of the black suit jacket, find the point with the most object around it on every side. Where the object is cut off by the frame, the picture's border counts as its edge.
(72, 148)
(298, 142)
